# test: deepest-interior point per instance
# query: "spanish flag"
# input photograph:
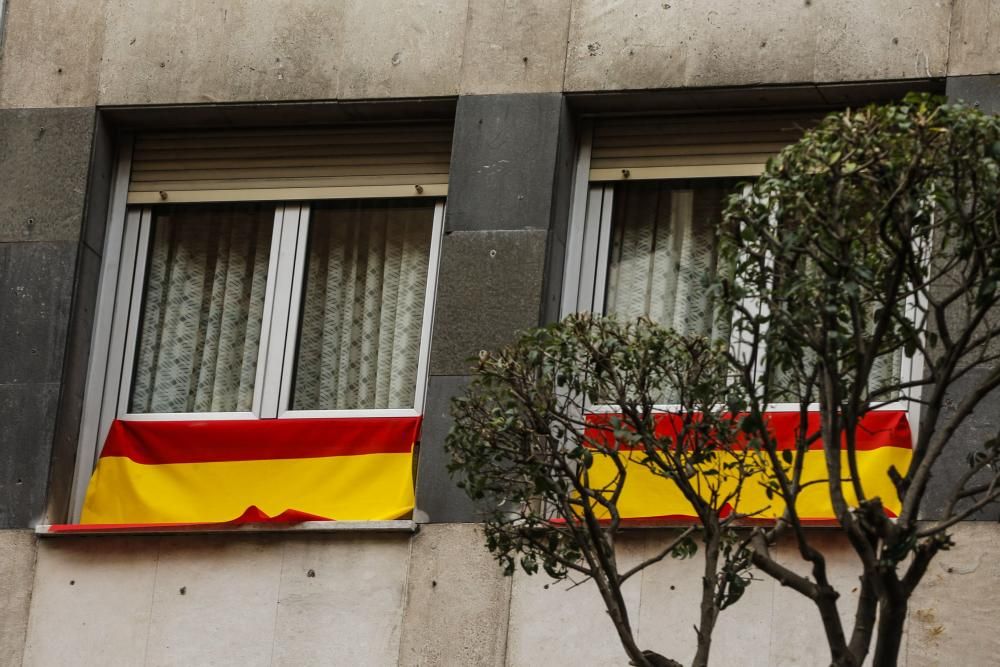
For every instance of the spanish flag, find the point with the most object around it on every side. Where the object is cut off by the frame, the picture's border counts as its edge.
(883, 440)
(235, 471)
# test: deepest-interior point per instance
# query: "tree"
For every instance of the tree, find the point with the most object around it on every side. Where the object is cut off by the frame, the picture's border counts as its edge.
(875, 240)
(531, 445)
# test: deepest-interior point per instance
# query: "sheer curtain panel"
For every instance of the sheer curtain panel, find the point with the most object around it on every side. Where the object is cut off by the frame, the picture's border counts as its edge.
(203, 302)
(362, 305)
(663, 251)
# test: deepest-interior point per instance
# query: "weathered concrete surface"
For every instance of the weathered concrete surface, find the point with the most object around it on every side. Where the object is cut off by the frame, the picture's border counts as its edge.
(17, 566)
(44, 155)
(225, 600)
(457, 600)
(97, 595)
(515, 46)
(51, 53)
(797, 636)
(116, 52)
(402, 50)
(341, 600)
(220, 51)
(553, 623)
(637, 45)
(953, 612)
(199, 586)
(670, 595)
(489, 289)
(975, 37)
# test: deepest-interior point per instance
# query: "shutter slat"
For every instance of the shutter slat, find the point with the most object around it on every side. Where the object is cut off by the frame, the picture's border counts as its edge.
(295, 163)
(703, 147)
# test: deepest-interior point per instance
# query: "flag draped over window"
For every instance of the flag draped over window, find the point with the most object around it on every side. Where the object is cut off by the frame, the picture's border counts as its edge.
(217, 471)
(883, 440)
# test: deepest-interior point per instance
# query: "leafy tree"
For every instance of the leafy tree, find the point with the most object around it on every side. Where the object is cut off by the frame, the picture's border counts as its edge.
(871, 243)
(550, 469)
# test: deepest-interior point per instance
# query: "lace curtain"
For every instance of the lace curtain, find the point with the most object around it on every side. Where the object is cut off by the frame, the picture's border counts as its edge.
(199, 333)
(663, 251)
(362, 308)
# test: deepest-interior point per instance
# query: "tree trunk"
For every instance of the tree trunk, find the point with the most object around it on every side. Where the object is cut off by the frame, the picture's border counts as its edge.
(891, 621)
(709, 586)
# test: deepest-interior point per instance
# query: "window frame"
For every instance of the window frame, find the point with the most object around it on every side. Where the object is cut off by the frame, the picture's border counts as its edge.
(124, 261)
(585, 270)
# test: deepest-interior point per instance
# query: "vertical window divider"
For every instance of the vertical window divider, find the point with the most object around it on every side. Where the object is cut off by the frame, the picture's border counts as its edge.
(135, 308)
(430, 294)
(297, 283)
(267, 313)
(603, 250)
(576, 257)
(280, 281)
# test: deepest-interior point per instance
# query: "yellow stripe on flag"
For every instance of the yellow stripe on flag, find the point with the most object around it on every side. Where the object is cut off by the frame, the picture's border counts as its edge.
(649, 495)
(343, 488)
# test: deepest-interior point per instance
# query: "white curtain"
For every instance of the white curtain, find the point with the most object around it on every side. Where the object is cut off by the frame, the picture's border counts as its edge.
(204, 297)
(362, 307)
(663, 251)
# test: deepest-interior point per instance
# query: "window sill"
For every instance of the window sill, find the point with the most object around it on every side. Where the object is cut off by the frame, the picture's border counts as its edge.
(65, 530)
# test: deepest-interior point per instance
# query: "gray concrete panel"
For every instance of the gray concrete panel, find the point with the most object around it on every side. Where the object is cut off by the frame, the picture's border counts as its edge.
(341, 599)
(621, 44)
(17, 570)
(515, 47)
(66, 441)
(97, 594)
(221, 51)
(982, 91)
(489, 288)
(35, 289)
(44, 154)
(457, 600)
(981, 426)
(29, 411)
(439, 500)
(391, 50)
(975, 37)
(51, 53)
(951, 612)
(865, 40)
(503, 161)
(557, 623)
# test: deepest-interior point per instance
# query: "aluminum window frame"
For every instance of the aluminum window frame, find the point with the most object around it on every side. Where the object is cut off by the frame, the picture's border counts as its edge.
(119, 306)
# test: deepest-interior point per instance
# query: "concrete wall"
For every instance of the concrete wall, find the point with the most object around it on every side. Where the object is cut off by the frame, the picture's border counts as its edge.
(112, 52)
(435, 598)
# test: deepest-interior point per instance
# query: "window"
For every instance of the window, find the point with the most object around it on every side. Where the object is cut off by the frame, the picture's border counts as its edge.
(258, 311)
(267, 275)
(648, 198)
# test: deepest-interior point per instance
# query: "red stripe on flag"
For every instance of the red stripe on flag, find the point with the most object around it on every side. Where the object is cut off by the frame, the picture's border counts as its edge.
(161, 442)
(883, 428)
(253, 514)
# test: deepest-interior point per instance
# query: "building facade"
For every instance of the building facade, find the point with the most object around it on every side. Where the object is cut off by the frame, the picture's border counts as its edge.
(481, 125)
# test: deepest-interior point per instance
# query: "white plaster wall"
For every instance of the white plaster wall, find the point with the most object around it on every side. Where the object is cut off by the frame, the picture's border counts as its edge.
(437, 598)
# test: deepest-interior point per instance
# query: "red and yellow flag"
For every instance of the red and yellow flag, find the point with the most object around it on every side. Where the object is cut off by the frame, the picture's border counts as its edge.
(169, 472)
(883, 440)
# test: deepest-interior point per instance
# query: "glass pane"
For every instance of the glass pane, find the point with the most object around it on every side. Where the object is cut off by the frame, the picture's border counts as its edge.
(203, 303)
(362, 305)
(664, 252)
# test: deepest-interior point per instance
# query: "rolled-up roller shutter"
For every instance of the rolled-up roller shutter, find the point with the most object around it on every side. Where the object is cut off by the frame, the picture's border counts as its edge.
(291, 164)
(684, 147)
